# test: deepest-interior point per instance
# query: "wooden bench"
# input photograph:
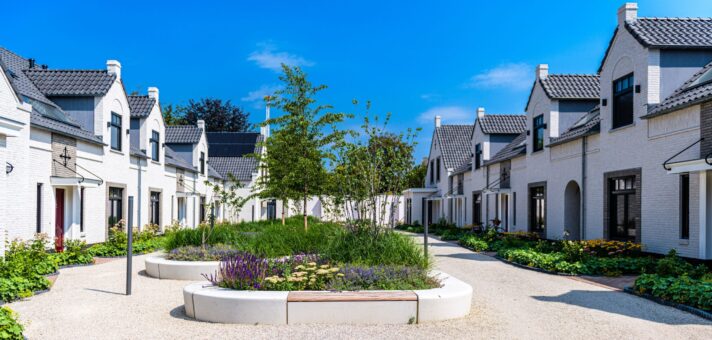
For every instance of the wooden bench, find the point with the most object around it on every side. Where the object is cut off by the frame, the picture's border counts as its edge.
(321, 296)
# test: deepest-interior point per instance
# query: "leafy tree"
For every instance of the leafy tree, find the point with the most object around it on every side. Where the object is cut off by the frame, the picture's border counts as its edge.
(416, 176)
(228, 196)
(218, 115)
(301, 132)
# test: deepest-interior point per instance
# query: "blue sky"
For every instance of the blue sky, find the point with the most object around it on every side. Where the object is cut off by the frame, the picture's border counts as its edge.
(414, 59)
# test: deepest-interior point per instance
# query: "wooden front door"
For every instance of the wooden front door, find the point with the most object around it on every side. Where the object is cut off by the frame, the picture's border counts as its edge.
(59, 221)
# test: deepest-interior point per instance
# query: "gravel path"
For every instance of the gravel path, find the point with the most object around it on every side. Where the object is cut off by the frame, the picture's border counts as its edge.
(508, 303)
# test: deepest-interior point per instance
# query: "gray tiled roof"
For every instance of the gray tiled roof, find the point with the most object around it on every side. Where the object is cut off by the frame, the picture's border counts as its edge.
(141, 106)
(213, 173)
(503, 124)
(463, 168)
(672, 32)
(45, 113)
(183, 134)
(588, 125)
(454, 141)
(516, 148)
(71, 82)
(174, 160)
(240, 167)
(571, 86)
(686, 95)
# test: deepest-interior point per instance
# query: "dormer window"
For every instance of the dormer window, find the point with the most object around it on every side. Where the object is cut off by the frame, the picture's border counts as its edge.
(623, 101)
(155, 138)
(538, 135)
(115, 127)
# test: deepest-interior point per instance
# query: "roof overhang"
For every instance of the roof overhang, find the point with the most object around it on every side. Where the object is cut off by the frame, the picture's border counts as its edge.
(9, 127)
(75, 182)
(695, 165)
(493, 191)
(420, 190)
(187, 194)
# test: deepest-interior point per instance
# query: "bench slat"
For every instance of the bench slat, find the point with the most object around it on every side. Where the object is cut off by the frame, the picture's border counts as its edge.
(320, 296)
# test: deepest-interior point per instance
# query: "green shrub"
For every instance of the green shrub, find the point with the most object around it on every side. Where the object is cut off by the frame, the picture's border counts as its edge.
(29, 257)
(9, 327)
(617, 266)
(475, 243)
(683, 289)
(368, 246)
(452, 234)
(75, 252)
(143, 242)
(606, 248)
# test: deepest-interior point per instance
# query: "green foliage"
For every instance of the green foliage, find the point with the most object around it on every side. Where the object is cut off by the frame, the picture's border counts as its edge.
(75, 252)
(221, 234)
(683, 289)
(452, 234)
(301, 132)
(475, 243)
(10, 329)
(372, 246)
(412, 228)
(416, 175)
(144, 242)
(218, 115)
(23, 268)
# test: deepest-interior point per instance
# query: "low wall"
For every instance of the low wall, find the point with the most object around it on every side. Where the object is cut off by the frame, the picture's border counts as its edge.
(162, 268)
(206, 302)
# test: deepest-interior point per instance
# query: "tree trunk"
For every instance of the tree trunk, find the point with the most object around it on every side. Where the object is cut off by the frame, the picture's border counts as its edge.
(304, 208)
(285, 203)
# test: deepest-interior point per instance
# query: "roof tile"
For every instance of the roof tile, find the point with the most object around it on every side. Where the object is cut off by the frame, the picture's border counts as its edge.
(71, 82)
(503, 124)
(141, 106)
(454, 141)
(672, 32)
(183, 134)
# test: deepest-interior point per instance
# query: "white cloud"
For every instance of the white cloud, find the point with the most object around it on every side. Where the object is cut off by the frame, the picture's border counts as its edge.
(516, 76)
(256, 97)
(429, 96)
(448, 115)
(269, 58)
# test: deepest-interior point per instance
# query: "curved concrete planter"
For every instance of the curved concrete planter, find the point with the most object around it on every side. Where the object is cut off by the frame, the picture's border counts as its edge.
(160, 267)
(206, 302)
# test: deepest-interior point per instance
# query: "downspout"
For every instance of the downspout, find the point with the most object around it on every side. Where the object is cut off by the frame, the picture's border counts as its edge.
(487, 180)
(582, 227)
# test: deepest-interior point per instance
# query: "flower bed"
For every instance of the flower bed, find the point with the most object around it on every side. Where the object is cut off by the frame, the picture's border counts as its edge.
(207, 302)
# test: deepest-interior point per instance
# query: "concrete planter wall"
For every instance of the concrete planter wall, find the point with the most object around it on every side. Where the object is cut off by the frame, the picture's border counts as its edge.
(205, 302)
(161, 268)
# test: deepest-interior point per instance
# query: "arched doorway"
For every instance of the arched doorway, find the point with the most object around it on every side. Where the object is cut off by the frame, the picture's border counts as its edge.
(572, 211)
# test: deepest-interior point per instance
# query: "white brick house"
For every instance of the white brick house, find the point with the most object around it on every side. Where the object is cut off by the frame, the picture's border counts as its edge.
(81, 154)
(625, 154)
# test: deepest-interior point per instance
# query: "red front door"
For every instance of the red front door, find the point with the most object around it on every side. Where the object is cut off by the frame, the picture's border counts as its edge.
(59, 221)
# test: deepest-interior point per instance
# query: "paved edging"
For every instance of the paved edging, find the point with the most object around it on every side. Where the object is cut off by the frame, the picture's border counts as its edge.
(205, 302)
(162, 268)
(699, 312)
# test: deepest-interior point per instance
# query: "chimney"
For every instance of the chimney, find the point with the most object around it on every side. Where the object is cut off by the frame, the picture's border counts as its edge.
(480, 112)
(201, 124)
(114, 67)
(32, 63)
(542, 71)
(627, 12)
(437, 121)
(153, 93)
(266, 132)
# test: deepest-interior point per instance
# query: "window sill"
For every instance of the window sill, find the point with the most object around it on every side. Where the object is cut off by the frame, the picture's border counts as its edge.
(684, 242)
(156, 162)
(118, 152)
(537, 152)
(624, 127)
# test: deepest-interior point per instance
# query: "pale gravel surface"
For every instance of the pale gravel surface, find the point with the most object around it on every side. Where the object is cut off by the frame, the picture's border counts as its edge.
(508, 303)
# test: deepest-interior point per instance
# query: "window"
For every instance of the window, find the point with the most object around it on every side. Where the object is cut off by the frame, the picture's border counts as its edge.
(623, 101)
(81, 210)
(39, 208)
(115, 125)
(537, 209)
(155, 208)
(538, 135)
(478, 156)
(202, 208)
(476, 208)
(202, 163)
(514, 208)
(685, 206)
(432, 172)
(116, 196)
(437, 169)
(622, 210)
(155, 140)
(408, 210)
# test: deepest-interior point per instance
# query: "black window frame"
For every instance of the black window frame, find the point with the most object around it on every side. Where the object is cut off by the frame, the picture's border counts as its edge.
(115, 124)
(39, 208)
(116, 203)
(154, 207)
(538, 127)
(203, 211)
(202, 163)
(685, 206)
(619, 117)
(537, 223)
(477, 208)
(155, 143)
(437, 169)
(432, 171)
(81, 210)
(478, 156)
